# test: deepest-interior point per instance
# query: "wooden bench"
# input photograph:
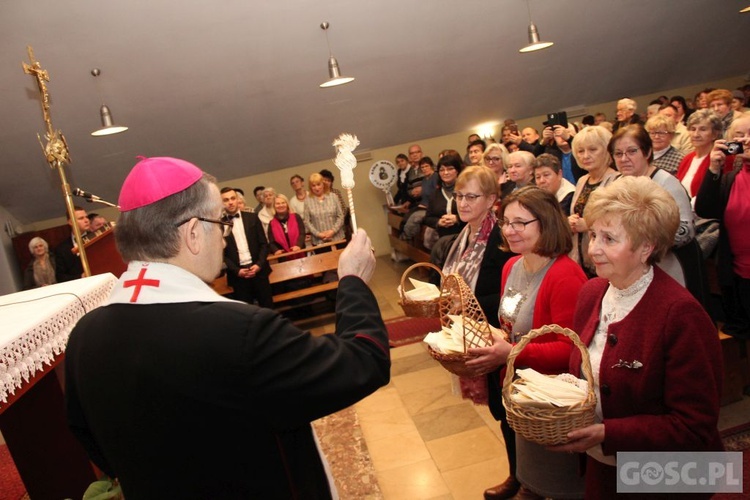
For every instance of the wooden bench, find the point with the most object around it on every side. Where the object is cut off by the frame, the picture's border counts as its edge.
(415, 250)
(310, 266)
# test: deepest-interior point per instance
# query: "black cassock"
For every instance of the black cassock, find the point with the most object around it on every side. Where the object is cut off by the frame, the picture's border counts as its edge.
(214, 400)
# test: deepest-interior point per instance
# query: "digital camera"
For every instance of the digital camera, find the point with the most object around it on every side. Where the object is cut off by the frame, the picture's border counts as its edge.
(734, 148)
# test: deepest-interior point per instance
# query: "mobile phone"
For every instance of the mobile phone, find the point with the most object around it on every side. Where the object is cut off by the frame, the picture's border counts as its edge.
(559, 118)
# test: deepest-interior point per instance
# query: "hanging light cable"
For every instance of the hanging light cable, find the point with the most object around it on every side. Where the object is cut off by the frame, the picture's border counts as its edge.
(534, 41)
(108, 126)
(334, 72)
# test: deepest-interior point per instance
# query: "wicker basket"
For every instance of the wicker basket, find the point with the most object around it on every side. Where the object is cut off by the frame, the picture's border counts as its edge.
(457, 299)
(419, 308)
(548, 426)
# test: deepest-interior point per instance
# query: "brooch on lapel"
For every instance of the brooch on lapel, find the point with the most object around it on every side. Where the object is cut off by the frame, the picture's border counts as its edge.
(633, 365)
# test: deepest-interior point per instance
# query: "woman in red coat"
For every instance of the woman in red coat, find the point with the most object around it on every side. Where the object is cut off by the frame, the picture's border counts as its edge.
(704, 127)
(539, 287)
(655, 353)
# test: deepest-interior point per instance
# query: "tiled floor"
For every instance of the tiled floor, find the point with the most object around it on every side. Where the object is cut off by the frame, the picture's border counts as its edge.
(424, 441)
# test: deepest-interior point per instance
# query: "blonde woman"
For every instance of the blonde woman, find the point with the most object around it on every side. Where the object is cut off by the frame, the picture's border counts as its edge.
(286, 231)
(324, 216)
(590, 151)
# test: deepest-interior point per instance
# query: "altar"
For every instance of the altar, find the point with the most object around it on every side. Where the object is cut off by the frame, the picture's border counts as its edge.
(36, 325)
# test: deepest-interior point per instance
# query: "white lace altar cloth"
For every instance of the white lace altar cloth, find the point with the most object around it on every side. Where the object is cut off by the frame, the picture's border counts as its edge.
(35, 325)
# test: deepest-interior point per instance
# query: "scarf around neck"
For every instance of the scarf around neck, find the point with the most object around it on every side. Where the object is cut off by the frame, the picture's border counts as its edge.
(280, 236)
(466, 259)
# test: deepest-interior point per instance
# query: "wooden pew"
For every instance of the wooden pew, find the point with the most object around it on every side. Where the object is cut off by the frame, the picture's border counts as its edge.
(310, 266)
(414, 250)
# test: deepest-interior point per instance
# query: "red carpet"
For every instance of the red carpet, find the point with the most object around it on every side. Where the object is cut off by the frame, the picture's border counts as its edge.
(11, 486)
(404, 331)
(738, 439)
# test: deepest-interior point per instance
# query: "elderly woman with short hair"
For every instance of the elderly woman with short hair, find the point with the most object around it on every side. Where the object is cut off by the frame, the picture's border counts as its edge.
(41, 270)
(704, 127)
(661, 129)
(590, 148)
(626, 114)
(520, 170)
(266, 213)
(655, 353)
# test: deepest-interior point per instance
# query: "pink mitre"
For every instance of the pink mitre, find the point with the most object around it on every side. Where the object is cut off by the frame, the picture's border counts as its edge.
(153, 179)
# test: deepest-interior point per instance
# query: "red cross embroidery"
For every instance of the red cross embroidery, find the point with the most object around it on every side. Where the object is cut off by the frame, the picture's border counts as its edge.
(139, 283)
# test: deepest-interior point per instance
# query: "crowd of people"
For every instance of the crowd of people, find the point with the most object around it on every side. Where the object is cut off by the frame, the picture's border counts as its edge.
(608, 229)
(279, 226)
(578, 226)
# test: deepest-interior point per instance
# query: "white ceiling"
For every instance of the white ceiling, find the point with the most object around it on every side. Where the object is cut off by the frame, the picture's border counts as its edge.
(232, 85)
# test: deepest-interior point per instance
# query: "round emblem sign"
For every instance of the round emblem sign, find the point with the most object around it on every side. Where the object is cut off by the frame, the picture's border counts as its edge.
(383, 174)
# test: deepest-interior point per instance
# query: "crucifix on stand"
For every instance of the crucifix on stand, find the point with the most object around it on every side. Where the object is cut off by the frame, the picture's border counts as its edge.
(56, 151)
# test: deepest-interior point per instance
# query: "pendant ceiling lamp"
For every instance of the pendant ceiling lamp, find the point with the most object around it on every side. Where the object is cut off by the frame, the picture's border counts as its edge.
(108, 126)
(535, 42)
(334, 72)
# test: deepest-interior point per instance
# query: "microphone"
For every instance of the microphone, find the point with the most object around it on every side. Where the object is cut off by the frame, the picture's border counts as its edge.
(84, 194)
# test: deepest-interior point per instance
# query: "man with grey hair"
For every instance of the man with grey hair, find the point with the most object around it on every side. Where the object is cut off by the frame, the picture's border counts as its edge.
(181, 393)
(626, 114)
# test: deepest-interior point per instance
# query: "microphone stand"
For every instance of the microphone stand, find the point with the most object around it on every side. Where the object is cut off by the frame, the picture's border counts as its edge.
(103, 202)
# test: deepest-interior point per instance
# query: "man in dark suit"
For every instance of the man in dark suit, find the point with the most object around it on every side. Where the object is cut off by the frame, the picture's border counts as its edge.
(245, 254)
(68, 265)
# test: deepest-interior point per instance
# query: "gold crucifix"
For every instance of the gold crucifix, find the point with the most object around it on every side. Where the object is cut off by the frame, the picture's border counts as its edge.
(42, 76)
(56, 151)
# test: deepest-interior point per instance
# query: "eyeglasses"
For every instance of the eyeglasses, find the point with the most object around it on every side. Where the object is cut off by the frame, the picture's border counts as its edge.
(630, 152)
(446, 168)
(470, 198)
(493, 159)
(516, 226)
(657, 133)
(227, 224)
